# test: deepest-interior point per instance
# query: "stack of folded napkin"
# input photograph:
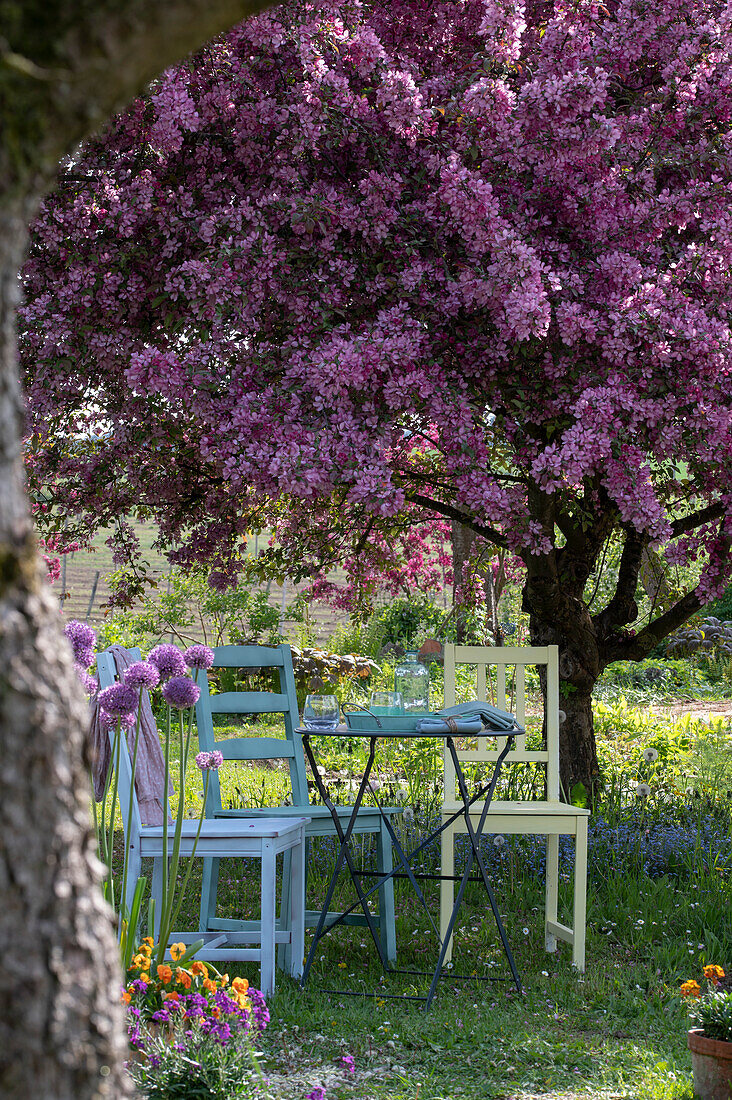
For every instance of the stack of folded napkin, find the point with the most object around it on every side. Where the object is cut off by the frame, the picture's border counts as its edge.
(469, 718)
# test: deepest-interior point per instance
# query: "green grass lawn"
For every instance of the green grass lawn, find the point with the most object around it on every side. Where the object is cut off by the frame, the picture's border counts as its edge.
(658, 909)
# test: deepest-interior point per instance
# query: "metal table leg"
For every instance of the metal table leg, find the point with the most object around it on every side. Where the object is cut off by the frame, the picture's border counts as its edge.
(344, 855)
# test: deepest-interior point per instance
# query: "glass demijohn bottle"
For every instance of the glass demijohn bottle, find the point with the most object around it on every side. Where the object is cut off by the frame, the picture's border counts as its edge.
(412, 679)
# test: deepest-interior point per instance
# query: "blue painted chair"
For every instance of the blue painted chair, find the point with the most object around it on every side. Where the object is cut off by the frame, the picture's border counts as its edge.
(290, 749)
(262, 839)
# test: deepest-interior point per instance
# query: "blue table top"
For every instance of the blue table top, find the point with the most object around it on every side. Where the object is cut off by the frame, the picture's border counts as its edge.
(346, 731)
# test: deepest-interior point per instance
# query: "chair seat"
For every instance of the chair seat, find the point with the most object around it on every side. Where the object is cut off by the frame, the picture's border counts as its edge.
(537, 809)
(267, 827)
(368, 818)
(225, 838)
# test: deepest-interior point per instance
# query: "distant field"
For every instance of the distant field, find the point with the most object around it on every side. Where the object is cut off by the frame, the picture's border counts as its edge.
(86, 584)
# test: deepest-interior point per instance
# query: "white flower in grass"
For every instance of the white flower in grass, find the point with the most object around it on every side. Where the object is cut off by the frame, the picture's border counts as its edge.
(409, 815)
(642, 790)
(650, 756)
(499, 840)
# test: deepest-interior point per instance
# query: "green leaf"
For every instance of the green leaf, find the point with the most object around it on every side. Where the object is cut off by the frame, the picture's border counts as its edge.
(578, 796)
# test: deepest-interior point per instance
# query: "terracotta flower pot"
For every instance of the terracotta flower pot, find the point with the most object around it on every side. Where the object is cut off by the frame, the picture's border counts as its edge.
(711, 1061)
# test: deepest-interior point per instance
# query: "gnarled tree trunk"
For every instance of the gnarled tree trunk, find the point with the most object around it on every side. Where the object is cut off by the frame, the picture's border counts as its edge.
(579, 668)
(64, 66)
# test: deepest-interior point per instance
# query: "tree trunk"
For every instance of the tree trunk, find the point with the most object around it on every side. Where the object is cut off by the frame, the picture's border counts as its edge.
(61, 1019)
(463, 540)
(64, 68)
(579, 668)
(462, 543)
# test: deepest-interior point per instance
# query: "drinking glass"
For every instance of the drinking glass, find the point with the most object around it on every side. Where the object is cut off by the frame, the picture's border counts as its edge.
(321, 712)
(386, 702)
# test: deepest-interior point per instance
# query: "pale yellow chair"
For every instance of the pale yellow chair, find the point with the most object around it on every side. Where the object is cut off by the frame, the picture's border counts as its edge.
(547, 817)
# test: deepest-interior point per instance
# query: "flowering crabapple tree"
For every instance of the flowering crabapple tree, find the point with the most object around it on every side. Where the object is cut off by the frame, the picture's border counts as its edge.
(358, 265)
(64, 67)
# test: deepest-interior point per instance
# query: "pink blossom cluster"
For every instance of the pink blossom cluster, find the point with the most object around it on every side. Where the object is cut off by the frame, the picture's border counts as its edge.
(359, 262)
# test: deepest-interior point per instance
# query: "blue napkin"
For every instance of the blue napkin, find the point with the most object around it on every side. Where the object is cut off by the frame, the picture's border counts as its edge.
(490, 717)
(467, 725)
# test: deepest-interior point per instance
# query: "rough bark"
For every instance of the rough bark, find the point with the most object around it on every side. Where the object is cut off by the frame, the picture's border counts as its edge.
(580, 665)
(64, 66)
(462, 543)
(463, 539)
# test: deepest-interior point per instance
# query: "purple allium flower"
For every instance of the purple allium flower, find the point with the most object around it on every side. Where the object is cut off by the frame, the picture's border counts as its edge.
(349, 1063)
(199, 656)
(83, 640)
(88, 682)
(142, 674)
(210, 761)
(180, 692)
(109, 721)
(169, 660)
(118, 699)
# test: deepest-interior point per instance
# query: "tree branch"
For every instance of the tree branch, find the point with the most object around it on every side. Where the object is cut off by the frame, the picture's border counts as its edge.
(622, 608)
(688, 523)
(449, 512)
(84, 62)
(639, 646)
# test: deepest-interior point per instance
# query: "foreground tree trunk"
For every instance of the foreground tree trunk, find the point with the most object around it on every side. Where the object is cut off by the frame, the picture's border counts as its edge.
(65, 67)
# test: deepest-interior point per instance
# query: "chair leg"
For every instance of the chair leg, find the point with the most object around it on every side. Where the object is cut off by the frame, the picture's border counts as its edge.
(296, 910)
(134, 871)
(447, 887)
(580, 895)
(267, 932)
(284, 950)
(209, 890)
(156, 893)
(387, 923)
(552, 888)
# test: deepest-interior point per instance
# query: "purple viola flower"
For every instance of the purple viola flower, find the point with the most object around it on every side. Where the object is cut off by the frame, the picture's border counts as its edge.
(142, 674)
(349, 1063)
(210, 761)
(83, 640)
(168, 659)
(118, 699)
(180, 692)
(317, 1093)
(199, 656)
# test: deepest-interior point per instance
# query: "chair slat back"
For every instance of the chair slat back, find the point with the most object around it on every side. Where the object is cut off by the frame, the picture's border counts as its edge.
(509, 665)
(107, 675)
(284, 702)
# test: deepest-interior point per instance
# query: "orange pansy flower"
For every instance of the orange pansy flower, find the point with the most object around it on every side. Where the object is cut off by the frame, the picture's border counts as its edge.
(183, 978)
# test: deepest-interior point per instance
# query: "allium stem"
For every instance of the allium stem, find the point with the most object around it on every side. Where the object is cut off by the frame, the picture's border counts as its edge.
(162, 944)
(189, 868)
(125, 866)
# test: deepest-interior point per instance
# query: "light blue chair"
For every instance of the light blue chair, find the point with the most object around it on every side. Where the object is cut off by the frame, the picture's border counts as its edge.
(290, 749)
(263, 839)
